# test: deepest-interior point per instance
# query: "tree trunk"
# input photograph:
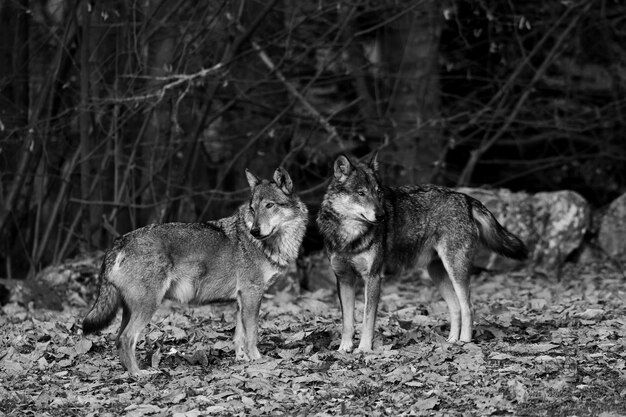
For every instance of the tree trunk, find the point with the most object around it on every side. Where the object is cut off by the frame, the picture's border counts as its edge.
(410, 49)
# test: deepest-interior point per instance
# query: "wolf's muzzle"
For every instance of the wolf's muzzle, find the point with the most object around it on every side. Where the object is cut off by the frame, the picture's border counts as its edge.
(377, 219)
(256, 233)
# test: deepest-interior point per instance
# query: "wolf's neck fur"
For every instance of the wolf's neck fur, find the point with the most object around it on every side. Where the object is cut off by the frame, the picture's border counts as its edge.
(341, 234)
(282, 248)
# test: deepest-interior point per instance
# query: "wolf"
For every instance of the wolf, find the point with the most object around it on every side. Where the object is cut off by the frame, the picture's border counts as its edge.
(366, 225)
(235, 258)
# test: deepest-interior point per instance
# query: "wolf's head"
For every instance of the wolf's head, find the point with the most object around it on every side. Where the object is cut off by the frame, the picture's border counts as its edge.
(355, 191)
(273, 207)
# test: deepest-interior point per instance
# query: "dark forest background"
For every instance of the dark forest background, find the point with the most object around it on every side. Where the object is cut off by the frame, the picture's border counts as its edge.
(121, 113)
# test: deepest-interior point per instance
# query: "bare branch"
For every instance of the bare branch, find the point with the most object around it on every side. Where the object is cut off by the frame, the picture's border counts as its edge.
(172, 81)
(291, 88)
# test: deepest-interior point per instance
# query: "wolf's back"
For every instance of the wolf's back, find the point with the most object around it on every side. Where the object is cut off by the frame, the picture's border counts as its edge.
(105, 308)
(495, 236)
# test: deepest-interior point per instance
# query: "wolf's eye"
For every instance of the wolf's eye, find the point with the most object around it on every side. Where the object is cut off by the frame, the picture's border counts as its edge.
(251, 209)
(269, 205)
(361, 193)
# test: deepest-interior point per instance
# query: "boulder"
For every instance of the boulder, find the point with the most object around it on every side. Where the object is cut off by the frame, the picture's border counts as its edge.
(612, 233)
(515, 212)
(552, 224)
(562, 219)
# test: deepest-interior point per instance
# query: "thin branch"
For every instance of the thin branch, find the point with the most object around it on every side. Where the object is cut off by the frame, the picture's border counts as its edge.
(252, 140)
(83, 118)
(173, 81)
(50, 220)
(291, 88)
(476, 154)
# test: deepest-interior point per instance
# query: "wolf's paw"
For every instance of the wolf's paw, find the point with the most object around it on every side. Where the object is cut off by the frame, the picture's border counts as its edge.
(252, 355)
(452, 339)
(241, 354)
(345, 347)
(142, 373)
(365, 346)
(465, 339)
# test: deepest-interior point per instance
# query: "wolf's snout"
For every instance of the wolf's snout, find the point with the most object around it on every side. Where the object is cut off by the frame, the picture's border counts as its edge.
(373, 217)
(256, 232)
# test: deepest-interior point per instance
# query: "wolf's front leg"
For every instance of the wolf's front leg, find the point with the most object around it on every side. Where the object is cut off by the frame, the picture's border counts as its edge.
(372, 296)
(346, 290)
(238, 339)
(346, 280)
(247, 329)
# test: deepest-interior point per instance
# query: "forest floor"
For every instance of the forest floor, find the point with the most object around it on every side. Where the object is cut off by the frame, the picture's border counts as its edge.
(543, 347)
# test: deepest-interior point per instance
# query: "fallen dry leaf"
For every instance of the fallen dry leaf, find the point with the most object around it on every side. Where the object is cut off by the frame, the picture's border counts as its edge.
(541, 348)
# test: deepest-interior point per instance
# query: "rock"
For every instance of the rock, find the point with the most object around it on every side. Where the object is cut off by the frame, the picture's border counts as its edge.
(562, 219)
(515, 212)
(611, 236)
(40, 293)
(552, 224)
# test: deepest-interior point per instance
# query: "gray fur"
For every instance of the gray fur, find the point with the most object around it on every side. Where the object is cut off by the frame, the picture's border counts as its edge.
(366, 226)
(202, 262)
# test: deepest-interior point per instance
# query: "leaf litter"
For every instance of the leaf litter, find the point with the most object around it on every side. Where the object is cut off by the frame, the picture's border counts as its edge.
(543, 347)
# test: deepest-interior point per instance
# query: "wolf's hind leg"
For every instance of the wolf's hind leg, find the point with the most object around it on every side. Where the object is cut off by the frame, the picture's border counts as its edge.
(139, 317)
(125, 318)
(457, 267)
(440, 277)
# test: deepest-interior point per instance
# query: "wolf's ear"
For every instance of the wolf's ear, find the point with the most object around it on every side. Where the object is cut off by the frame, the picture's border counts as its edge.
(253, 180)
(374, 162)
(283, 180)
(343, 167)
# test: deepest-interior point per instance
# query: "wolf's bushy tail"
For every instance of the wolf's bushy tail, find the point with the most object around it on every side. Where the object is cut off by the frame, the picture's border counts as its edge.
(104, 310)
(495, 236)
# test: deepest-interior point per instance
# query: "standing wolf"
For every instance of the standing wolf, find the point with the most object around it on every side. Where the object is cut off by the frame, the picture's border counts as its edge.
(366, 225)
(234, 258)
